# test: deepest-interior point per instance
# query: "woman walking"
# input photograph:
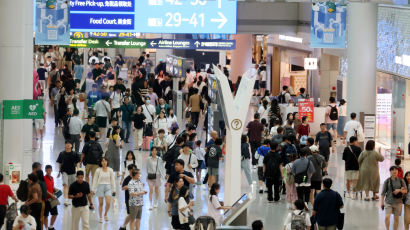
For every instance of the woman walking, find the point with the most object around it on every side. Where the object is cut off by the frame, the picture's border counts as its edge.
(184, 208)
(104, 184)
(113, 151)
(369, 177)
(245, 158)
(154, 172)
(342, 118)
(138, 122)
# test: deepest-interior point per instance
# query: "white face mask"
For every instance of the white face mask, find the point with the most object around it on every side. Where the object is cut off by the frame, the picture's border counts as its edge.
(148, 101)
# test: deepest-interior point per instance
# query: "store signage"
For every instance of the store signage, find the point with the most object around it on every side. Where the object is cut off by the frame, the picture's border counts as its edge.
(310, 63)
(23, 109)
(307, 108)
(52, 25)
(328, 25)
(153, 43)
(104, 35)
(154, 16)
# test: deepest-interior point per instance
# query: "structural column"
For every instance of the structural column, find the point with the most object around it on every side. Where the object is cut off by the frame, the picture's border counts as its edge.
(361, 57)
(16, 82)
(241, 57)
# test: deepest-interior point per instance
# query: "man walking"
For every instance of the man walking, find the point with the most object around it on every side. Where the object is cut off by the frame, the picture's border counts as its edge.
(272, 170)
(127, 110)
(74, 126)
(5, 192)
(102, 111)
(332, 116)
(303, 170)
(393, 191)
(255, 129)
(319, 163)
(91, 156)
(67, 160)
(79, 192)
(324, 142)
(353, 128)
(49, 180)
(351, 155)
(327, 207)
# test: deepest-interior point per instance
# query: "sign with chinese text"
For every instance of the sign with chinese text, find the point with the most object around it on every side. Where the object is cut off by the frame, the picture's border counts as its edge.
(306, 108)
(154, 16)
(23, 109)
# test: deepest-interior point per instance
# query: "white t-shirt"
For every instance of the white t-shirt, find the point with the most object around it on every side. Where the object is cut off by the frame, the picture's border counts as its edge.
(116, 100)
(213, 211)
(274, 130)
(200, 153)
(126, 163)
(183, 216)
(343, 110)
(95, 59)
(102, 108)
(263, 75)
(264, 112)
(288, 220)
(30, 222)
(162, 124)
(148, 111)
(193, 162)
(350, 127)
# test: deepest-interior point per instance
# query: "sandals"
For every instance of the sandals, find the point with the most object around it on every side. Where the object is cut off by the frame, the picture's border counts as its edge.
(106, 218)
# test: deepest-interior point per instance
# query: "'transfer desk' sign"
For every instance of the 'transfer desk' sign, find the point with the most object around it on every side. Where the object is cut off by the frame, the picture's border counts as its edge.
(154, 16)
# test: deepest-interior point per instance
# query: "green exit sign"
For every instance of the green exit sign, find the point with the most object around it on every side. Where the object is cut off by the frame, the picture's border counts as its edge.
(23, 109)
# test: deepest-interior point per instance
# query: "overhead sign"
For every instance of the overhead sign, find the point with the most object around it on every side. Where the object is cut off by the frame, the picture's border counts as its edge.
(154, 16)
(23, 109)
(307, 109)
(52, 23)
(152, 43)
(328, 25)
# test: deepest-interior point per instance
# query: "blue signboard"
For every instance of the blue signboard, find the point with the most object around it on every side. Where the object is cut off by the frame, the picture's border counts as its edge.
(52, 25)
(154, 16)
(328, 25)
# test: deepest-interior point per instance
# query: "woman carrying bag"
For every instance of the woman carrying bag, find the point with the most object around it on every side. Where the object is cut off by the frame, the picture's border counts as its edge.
(155, 172)
(185, 209)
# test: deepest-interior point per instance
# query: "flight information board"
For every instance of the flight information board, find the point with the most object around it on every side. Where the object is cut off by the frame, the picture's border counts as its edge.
(154, 16)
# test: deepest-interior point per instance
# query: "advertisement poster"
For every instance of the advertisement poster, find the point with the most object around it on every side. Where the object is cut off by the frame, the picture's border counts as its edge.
(306, 108)
(328, 26)
(52, 22)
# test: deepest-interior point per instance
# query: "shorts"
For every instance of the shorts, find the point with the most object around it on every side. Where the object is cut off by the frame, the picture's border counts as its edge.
(103, 190)
(316, 185)
(394, 209)
(263, 84)
(201, 165)
(331, 126)
(39, 123)
(256, 86)
(90, 168)
(49, 210)
(155, 183)
(352, 175)
(135, 212)
(68, 179)
(325, 154)
(260, 174)
(213, 171)
(101, 122)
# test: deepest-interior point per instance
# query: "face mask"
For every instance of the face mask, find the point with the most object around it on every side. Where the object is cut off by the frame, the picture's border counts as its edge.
(148, 101)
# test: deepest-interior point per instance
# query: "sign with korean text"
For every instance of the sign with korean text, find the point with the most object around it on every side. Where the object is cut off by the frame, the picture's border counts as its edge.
(23, 109)
(108, 43)
(306, 108)
(52, 22)
(154, 16)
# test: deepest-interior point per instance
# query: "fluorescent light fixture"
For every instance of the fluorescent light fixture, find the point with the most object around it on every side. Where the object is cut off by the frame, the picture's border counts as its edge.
(403, 60)
(290, 38)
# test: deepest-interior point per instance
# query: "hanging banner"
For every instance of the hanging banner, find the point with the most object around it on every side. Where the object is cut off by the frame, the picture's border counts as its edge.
(306, 109)
(328, 25)
(23, 109)
(52, 22)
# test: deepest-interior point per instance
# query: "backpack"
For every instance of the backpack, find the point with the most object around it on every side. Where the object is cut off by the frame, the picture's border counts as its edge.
(302, 177)
(205, 223)
(94, 152)
(22, 191)
(334, 114)
(289, 131)
(282, 98)
(298, 221)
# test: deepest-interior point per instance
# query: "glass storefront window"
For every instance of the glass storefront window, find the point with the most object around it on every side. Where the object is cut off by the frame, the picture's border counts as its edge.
(383, 108)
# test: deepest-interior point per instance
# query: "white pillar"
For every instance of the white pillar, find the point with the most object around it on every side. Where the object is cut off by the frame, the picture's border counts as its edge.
(241, 57)
(361, 57)
(16, 83)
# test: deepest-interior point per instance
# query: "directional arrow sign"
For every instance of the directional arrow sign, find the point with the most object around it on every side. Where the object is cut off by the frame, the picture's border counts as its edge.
(197, 43)
(153, 43)
(222, 20)
(108, 43)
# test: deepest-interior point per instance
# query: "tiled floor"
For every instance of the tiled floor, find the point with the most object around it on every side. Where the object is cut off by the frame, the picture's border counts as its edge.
(359, 214)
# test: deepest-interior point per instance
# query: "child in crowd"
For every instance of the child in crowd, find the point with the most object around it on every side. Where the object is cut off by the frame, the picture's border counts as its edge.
(397, 163)
(259, 155)
(298, 219)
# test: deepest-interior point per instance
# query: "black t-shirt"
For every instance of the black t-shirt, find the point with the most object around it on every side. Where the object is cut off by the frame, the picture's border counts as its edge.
(92, 152)
(351, 159)
(68, 160)
(41, 73)
(125, 183)
(174, 177)
(67, 55)
(119, 86)
(214, 153)
(324, 140)
(77, 188)
(272, 162)
(76, 59)
(138, 120)
(87, 129)
(97, 73)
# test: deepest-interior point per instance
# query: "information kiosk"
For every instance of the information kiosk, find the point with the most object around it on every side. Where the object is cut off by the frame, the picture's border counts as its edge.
(237, 216)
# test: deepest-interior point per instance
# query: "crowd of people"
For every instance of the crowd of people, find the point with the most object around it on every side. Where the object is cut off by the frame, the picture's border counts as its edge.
(103, 111)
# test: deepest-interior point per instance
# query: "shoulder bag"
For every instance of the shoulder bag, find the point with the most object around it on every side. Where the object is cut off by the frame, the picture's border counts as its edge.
(153, 176)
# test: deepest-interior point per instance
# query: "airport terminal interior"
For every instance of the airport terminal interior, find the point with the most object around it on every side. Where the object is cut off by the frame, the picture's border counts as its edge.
(204, 115)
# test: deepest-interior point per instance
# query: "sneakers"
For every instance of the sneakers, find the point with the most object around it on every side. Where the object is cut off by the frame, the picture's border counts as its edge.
(66, 203)
(155, 205)
(348, 195)
(122, 228)
(151, 207)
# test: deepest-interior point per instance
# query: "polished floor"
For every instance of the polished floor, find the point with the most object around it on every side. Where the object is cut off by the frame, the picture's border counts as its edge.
(359, 213)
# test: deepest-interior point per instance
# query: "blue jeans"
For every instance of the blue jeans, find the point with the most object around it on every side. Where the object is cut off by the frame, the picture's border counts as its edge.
(126, 125)
(245, 167)
(78, 72)
(331, 126)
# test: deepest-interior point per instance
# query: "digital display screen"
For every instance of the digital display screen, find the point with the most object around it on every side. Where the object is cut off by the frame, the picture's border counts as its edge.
(154, 16)
(236, 205)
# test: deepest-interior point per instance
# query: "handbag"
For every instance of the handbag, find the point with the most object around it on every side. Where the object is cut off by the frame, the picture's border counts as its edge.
(340, 221)
(54, 202)
(191, 218)
(153, 176)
